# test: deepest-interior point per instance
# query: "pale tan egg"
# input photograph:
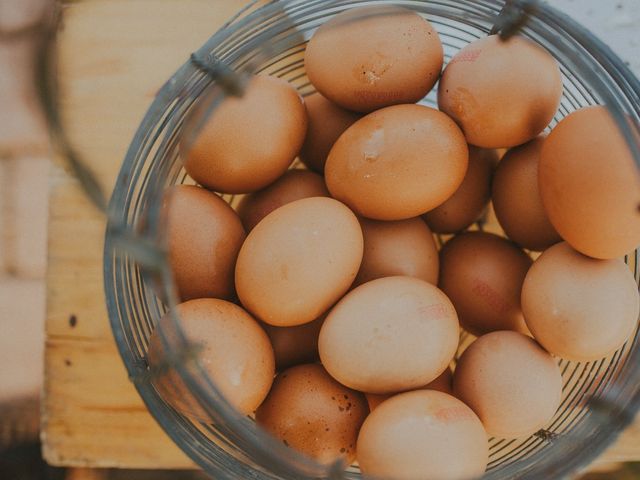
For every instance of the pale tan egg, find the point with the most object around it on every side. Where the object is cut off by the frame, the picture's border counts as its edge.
(403, 247)
(371, 57)
(423, 434)
(228, 344)
(442, 384)
(310, 412)
(577, 307)
(298, 261)
(397, 163)
(204, 236)
(389, 335)
(510, 381)
(248, 142)
(501, 93)
(293, 185)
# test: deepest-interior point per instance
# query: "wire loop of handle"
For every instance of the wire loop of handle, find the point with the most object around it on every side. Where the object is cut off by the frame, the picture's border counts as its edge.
(513, 17)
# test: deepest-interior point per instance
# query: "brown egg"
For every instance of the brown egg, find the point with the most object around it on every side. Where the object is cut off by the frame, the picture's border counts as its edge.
(389, 335)
(312, 413)
(397, 163)
(293, 185)
(371, 57)
(577, 307)
(590, 186)
(501, 93)
(204, 236)
(327, 121)
(512, 384)
(470, 200)
(298, 261)
(403, 247)
(482, 274)
(248, 142)
(516, 198)
(230, 347)
(442, 384)
(295, 345)
(423, 434)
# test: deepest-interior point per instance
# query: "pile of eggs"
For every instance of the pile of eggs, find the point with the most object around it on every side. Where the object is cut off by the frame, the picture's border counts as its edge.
(322, 304)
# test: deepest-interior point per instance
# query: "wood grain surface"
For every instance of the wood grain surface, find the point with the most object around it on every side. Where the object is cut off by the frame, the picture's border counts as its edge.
(114, 56)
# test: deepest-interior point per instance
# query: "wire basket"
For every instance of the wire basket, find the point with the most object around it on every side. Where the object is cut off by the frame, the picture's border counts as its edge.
(599, 398)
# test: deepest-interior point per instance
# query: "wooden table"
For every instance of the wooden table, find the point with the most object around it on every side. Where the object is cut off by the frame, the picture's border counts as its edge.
(115, 54)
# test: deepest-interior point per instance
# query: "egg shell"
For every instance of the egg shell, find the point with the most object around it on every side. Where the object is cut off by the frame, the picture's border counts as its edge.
(298, 261)
(502, 93)
(397, 163)
(295, 345)
(516, 198)
(204, 236)
(482, 274)
(312, 413)
(577, 307)
(470, 200)
(247, 142)
(388, 55)
(403, 247)
(293, 185)
(589, 184)
(229, 345)
(389, 335)
(511, 382)
(327, 121)
(423, 434)
(442, 384)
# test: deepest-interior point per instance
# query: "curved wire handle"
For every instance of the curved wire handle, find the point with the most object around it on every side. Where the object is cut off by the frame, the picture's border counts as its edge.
(513, 17)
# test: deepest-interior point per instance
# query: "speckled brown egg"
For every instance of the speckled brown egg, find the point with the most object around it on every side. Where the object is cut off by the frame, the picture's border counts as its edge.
(403, 247)
(371, 57)
(327, 121)
(293, 185)
(577, 307)
(248, 142)
(229, 345)
(470, 200)
(501, 93)
(590, 186)
(442, 384)
(389, 335)
(482, 274)
(204, 236)
(309, 411)
(298, 261)
(295, 345)
(512, 384)
(397, 163)
(516, 198)
(423, 434)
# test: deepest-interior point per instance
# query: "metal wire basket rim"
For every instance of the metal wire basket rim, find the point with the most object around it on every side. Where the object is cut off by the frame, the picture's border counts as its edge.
(598, 49)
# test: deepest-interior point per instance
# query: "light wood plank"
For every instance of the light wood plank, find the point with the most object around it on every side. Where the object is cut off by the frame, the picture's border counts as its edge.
(114, 56)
